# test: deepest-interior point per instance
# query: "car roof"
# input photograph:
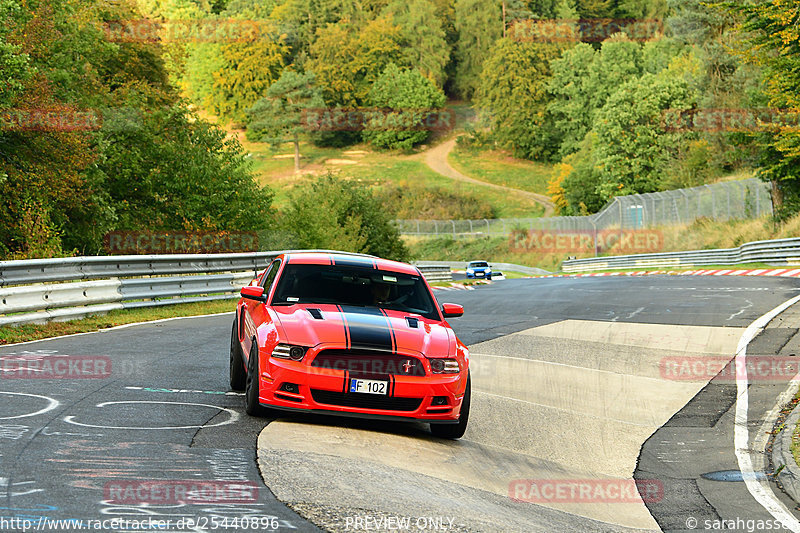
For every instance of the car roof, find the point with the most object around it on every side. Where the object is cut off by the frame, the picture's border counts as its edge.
(348, 259)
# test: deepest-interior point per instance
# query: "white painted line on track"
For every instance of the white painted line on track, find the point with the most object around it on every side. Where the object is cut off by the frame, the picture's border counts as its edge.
(52, 404)
(759, 489)
(233, 417)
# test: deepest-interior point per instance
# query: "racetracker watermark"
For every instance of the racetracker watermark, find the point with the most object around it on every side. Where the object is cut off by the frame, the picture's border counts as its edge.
(179, 242)
(378, 119)
(586, 30)
(586, 490)
(192, 30)
(55, 367)
(70, 120)
(730, 120)
(585, 241)
(179, 491)
(751, 368)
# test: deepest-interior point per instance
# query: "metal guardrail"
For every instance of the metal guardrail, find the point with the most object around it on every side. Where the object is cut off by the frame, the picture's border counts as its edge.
(28, 294)
(436, 272)
(503, 267)
(778, 252)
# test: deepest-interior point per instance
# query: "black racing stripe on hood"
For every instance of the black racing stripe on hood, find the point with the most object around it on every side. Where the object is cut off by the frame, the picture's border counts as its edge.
(368, 328)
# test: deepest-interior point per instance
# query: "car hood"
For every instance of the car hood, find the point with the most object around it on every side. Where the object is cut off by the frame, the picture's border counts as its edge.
(363, 327)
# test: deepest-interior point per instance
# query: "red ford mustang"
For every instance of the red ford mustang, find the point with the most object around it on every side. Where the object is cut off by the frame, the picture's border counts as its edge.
(351, 335)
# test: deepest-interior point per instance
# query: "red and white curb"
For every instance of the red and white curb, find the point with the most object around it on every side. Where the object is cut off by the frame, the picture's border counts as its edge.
(777, 272)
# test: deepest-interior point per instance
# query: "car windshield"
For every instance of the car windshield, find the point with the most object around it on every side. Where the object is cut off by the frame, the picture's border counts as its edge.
(479, 264)
(354, 286)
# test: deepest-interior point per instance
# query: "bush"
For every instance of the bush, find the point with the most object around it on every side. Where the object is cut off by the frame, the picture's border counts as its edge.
(336, 214)
(432, 203)
(406, 97)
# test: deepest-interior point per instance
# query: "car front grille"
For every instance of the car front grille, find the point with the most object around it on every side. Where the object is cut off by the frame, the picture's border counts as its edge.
(365, 401)
(364, 363)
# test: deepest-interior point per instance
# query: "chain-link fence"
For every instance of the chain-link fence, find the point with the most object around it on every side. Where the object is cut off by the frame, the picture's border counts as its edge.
(741, 199)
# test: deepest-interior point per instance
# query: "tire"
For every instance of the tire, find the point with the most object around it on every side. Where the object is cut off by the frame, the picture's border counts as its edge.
(456, 431)
(251, 388)
(238, 376)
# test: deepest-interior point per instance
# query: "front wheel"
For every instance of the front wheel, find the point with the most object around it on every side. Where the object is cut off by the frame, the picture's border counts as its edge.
(251, 388)
(456, 431)
(237, 373)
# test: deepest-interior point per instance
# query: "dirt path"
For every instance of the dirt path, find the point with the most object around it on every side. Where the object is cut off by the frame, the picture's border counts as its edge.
(436, 158)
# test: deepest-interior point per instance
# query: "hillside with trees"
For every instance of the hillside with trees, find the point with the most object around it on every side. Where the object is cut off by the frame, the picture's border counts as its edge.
(620, 96)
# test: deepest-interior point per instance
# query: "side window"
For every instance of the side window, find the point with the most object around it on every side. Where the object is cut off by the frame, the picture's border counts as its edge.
(269, 278)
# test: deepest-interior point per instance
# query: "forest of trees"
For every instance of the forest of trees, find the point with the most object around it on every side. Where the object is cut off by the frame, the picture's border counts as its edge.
(592, 99)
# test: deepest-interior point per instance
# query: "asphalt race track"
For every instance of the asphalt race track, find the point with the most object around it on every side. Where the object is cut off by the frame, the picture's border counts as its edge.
(570, 385)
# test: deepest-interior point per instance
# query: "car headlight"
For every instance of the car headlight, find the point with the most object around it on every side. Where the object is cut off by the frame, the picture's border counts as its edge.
(288, 351)
(470, 271)
(488, 270)
(445, 366)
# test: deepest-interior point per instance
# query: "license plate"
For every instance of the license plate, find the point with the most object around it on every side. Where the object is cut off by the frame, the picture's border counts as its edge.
(369, 386)
(479, 274)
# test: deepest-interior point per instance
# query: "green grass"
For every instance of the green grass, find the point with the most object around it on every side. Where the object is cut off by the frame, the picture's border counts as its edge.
(375, 169)
(379, 168)
(795, 446)
(32, 332)
(501, 169)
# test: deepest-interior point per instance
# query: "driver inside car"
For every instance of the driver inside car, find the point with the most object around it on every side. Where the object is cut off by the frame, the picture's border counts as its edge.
(380, 293)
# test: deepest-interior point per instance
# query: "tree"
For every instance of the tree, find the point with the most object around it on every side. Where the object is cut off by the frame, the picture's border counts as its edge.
(774, 44)
(14, 64)
(479, 25)
(247, 70)
(348, 60)
(118, 150)
(571, 105)
(619, 61)
(513, 92)
(405, 99)
(423, 38)
(177, 172)
(580, 185)
(633, 147)
(338, 214)
(280, 115)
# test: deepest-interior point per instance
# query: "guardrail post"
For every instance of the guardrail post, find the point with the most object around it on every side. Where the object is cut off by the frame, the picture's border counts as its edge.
(454, 228)
(488, 229)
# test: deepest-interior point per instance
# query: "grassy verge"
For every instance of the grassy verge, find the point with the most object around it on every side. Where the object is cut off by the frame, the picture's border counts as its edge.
(501, 169)
(32, 332)
(795, 446)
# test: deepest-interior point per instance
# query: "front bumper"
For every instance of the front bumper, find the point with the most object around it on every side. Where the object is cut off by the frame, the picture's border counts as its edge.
(324, 390)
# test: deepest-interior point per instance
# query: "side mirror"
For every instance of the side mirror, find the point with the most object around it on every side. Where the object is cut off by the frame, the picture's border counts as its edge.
(254, 292)
(452, 310)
